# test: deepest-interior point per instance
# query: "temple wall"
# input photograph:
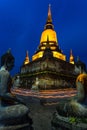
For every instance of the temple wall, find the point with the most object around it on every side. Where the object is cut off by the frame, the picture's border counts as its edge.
(54, 65)
(51, 74)
(46, 82)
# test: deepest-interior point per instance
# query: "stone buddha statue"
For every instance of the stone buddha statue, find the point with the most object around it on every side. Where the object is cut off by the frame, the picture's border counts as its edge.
(13, 113)
(7, 63)
(77, 107)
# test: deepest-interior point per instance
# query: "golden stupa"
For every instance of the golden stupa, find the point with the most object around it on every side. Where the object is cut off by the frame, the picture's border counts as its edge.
(53, 42)
(49, 64)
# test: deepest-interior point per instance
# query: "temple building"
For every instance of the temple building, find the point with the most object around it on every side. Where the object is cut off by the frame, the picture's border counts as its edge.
(49, 65)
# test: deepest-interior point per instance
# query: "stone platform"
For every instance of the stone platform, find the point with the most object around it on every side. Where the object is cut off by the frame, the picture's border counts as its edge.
(15, 117)
(64, 123)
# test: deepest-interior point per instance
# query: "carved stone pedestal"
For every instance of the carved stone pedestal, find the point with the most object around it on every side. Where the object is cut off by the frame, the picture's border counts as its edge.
(63, 123)
(15, 117)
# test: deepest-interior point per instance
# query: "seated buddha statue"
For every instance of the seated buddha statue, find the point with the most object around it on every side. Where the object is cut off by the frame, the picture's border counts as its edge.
(76, 107)
(13, 113)
(7, 63)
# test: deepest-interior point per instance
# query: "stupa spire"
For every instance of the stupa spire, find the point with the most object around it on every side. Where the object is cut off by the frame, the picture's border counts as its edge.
(26, 61)
(27, 54)
(49, 18)
(71, 60)
(71, 52)
(49, 24)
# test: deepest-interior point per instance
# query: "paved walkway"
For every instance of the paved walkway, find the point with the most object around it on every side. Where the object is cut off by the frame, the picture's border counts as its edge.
(42, 113)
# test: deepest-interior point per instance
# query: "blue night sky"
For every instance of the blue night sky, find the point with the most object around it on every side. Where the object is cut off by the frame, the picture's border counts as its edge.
(22, 22)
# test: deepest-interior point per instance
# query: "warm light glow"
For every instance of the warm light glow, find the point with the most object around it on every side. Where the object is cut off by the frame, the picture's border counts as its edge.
(53, 48)
(55, 54)
(48, 33)
(44, 43)
(59, 55)
(26, 62)
(71, 60)
(43, 48)
(38, 55)
(82, 78)
(51, 43)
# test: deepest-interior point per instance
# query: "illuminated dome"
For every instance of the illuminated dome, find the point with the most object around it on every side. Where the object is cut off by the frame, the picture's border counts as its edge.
(51, 34)
(49, 30)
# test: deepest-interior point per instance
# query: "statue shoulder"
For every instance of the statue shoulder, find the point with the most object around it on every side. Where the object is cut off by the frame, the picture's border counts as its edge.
(4, 72)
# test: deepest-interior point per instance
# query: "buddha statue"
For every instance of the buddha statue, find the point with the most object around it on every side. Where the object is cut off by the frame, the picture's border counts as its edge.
(14, 114)
(76, 107)
(7, 63)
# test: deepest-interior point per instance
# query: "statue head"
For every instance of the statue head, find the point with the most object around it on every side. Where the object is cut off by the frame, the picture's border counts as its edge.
(7, 60)
(81, 83)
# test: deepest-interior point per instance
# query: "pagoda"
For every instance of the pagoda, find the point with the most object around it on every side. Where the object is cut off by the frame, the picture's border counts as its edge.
(53, 42)
(49, 65)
